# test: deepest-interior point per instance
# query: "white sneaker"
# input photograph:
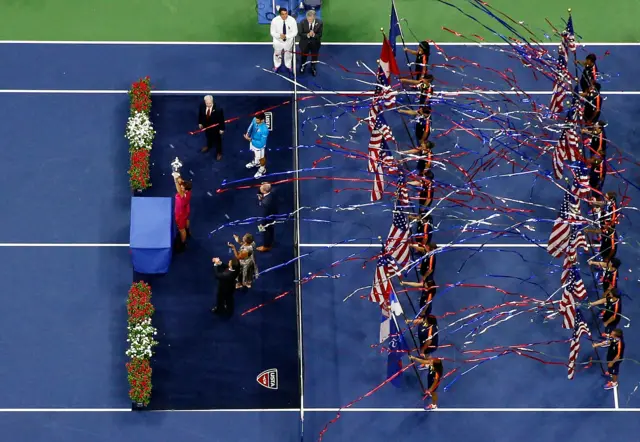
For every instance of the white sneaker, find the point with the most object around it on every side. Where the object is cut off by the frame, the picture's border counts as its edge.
(260, 173)
(251, 165)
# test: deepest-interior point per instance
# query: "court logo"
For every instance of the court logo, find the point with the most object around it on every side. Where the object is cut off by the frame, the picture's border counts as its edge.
(269, 379)
(268, 118)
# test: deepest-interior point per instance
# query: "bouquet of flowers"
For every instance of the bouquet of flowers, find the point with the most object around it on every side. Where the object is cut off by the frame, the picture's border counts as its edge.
(140, 131)
(139, 176)
(140, 336)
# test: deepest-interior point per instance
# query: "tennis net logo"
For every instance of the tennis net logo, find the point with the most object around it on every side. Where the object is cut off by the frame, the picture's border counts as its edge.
(269, 379)
(268, 118)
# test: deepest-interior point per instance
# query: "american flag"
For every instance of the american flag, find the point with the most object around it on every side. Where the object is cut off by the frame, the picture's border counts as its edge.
(579, 331)
(574, 288)
(384, 97)
(560, 238)
(576, 241)
(580, 185)
(381, 288)
(379, 156)
(397, 244)
(561, 85)
(568, 147)
(569, 35)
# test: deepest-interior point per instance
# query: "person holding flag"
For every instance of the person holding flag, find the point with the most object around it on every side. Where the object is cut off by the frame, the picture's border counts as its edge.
(589, 73)
(435, 373)
(427, 333)
(615, 355)
(422, 59)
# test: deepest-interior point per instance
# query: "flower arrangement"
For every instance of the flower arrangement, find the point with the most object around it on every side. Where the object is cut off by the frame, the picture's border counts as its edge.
(140, 336)
(140, 96)
(140, 133)
(139, 177)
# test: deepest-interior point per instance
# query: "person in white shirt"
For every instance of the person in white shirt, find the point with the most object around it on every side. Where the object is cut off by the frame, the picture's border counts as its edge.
(284, 30)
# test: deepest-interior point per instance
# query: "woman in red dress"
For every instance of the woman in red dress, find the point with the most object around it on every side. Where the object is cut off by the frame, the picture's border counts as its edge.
(183, 207)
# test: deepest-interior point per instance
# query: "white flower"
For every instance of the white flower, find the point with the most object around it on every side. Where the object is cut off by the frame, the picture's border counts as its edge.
(140, 132)
(140, 338)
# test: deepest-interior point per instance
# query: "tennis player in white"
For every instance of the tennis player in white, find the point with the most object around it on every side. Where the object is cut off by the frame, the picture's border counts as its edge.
(284, 30)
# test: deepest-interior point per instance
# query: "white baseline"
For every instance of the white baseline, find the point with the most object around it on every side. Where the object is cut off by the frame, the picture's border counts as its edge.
(278, 92)
(330, 410)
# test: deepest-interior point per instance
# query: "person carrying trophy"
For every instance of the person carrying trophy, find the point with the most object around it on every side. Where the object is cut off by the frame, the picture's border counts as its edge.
(257, 135)
(182, 204)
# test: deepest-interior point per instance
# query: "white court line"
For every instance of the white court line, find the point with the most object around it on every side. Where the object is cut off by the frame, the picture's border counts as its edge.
(463, 245)
(616, 403)
(62, 245)
(269, 43)
(283, 92)
(331, 410)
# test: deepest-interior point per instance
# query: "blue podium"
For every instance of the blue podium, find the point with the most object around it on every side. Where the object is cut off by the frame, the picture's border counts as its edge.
(151, 234)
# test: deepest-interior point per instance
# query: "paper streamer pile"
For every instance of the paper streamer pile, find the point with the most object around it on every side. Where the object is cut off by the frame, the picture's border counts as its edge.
(494, 142)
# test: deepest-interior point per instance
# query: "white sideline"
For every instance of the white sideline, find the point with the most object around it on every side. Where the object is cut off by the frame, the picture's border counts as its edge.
(329, 410)
(62, 245)
(462, 245)
(282, 92)
(268, 43)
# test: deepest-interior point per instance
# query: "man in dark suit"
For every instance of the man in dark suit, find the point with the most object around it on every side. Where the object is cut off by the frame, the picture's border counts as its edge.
(269, 210)
(227, 277)
(310, 32)
(210, 115)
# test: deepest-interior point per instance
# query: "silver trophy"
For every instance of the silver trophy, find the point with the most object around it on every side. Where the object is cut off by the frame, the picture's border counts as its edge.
(176, 165)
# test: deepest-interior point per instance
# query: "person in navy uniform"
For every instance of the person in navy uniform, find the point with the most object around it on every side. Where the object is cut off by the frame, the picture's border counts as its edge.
(610, 274)
(427, 333)
(422, 59)
(434, 377)
(589, 73)
(227, 277)
(615, 355)
(611, 311)
(211, 115)
(267, 201)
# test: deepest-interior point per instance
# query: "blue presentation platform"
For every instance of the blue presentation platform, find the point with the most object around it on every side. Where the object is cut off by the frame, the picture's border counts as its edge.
(267, 9)
(151, 234)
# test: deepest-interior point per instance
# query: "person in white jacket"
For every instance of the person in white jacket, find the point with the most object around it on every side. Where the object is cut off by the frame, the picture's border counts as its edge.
(284, 30)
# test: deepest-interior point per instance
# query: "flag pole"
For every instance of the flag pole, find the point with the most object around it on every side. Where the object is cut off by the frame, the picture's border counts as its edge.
(575, 56)
(404, 44)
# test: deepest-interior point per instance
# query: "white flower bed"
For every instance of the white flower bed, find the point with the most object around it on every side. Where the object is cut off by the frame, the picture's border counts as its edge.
(141, 340)
(140, 131)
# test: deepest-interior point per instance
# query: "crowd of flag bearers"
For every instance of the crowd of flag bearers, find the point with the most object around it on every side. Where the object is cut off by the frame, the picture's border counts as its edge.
(586, 151)
(410, 239)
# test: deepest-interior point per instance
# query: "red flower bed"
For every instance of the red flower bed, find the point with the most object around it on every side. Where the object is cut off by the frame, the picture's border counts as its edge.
(139, 305)
(139, 376)
(139, 173)
(140, 95)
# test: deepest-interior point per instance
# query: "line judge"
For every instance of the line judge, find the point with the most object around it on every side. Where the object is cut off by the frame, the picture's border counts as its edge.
(284, 30)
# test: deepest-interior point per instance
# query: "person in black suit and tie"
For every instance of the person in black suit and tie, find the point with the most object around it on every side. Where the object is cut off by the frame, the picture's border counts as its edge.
(310, 40)
(269, 210)
(226, 285)
(210, 115)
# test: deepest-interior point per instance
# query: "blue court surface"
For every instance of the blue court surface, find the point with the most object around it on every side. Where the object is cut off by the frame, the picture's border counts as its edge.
(66, 265)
